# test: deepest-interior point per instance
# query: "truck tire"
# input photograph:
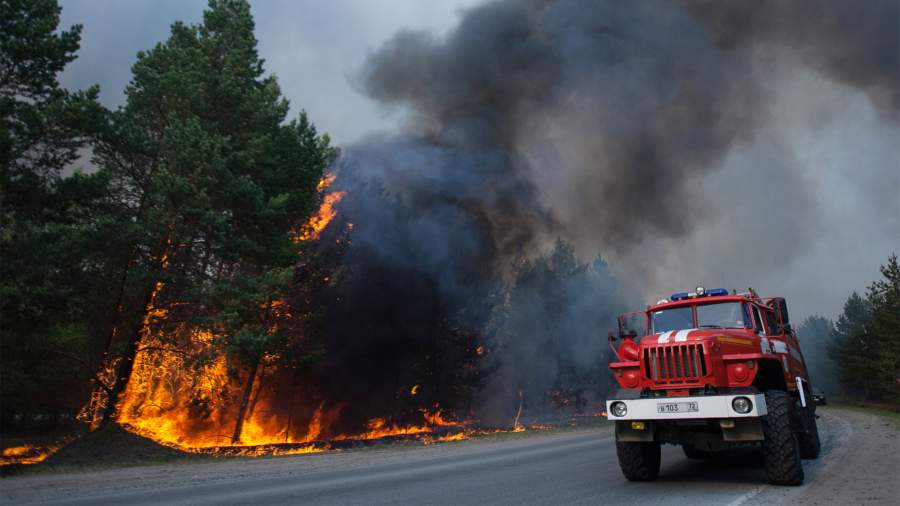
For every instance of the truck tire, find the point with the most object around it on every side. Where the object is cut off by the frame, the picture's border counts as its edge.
(693, 453)
(639, 461)
(781, 448)
(810, 446)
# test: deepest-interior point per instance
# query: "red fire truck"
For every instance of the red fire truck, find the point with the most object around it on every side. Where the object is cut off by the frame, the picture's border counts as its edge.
(711, 370)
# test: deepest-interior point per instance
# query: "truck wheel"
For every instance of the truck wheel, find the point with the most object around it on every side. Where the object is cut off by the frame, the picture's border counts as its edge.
(693, 453)
(809, 433)
(639, 461)
(781, 448)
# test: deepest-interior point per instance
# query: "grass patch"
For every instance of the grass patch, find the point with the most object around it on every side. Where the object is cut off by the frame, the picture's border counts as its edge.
(109, 448)
(890, 412)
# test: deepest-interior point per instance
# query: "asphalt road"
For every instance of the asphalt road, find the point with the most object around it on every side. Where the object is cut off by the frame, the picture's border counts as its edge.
(859, 463)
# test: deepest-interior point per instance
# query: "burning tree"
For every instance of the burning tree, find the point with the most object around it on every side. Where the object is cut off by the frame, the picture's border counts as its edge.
(214, 183)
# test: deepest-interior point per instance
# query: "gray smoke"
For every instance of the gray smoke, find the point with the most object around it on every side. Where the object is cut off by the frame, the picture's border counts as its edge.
(677, 139)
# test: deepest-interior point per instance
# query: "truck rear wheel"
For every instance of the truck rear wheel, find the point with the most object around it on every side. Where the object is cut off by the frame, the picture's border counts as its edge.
(810, 446)
(781, 447)
(639, 461)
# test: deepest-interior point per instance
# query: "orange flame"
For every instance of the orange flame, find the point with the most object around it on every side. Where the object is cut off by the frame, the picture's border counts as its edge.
(193, 409)
(180, 401)
(313, 228)
(29, 454)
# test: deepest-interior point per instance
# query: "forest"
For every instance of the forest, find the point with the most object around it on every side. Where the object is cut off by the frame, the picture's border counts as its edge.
(195, 275)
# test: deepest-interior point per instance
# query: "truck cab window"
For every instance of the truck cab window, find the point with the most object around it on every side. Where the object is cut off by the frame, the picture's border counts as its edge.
(771, 324)
(758, 321)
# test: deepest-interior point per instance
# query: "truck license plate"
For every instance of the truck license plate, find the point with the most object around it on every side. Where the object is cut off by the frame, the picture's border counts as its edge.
(677, 407)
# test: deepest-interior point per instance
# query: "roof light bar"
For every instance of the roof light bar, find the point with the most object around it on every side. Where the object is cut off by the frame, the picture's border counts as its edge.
(699, 293)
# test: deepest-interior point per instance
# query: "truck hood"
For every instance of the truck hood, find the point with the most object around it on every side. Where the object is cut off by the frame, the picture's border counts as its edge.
(731, 336)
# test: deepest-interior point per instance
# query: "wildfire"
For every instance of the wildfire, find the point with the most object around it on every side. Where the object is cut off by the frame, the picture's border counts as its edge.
(186, 393)
(313, 228)
(459, 436)
(194, 409)
(28, 454)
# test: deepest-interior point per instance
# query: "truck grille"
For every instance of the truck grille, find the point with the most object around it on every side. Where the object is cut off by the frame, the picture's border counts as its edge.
(674, 364)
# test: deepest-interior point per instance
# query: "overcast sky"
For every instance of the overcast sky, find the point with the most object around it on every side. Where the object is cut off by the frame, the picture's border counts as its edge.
(842, 146)
(314, 47)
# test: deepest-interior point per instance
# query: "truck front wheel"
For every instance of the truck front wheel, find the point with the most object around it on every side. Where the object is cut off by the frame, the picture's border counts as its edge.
(809, 433)
(639, 461)
(781, 448)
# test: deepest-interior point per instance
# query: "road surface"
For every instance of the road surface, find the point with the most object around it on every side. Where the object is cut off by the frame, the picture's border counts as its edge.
(859, 465)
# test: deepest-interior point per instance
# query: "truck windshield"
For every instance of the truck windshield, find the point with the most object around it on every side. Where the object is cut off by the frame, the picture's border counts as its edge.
(724, 315)
(672, 319)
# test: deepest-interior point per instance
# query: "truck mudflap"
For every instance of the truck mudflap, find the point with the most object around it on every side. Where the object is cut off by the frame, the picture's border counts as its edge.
(680, 408)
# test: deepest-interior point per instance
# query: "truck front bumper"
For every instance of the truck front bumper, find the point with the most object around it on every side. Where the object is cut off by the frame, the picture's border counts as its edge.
(680, 408)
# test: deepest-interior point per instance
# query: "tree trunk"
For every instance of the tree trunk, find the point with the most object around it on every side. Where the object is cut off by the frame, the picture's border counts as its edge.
(260, 383)
(125, 366)
(123, 374)
(245, 401)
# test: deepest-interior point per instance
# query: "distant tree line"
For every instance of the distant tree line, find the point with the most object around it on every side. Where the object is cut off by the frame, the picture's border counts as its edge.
(858, 355)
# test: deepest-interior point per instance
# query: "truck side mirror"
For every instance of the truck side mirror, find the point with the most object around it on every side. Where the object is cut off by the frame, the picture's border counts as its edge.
(612, 337)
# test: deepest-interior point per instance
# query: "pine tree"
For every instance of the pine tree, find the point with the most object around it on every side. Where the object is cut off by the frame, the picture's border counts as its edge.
(854, 345)
(214, 181)
(884, 298)
(50, 226)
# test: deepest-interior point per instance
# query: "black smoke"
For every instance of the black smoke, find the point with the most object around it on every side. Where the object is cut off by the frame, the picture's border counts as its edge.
(534, 125)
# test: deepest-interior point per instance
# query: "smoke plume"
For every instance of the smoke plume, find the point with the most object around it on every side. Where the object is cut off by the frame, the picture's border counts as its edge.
(675, 139)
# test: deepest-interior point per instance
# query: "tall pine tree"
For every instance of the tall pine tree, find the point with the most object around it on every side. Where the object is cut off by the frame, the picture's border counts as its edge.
(214, 181)
(884, 297)
(866, 338)
(51, 227)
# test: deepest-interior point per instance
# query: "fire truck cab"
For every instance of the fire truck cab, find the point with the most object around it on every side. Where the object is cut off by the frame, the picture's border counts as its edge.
(711, 370)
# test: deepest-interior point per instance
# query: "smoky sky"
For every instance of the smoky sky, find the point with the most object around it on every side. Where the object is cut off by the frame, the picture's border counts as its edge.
(718, 143)
(312, 47)
(725, 143)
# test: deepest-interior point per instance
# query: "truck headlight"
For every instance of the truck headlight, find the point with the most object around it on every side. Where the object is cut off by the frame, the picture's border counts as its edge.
(742, 405)
(619, 409)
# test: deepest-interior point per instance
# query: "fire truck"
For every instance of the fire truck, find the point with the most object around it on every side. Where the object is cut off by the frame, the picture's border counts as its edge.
(711, 370)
